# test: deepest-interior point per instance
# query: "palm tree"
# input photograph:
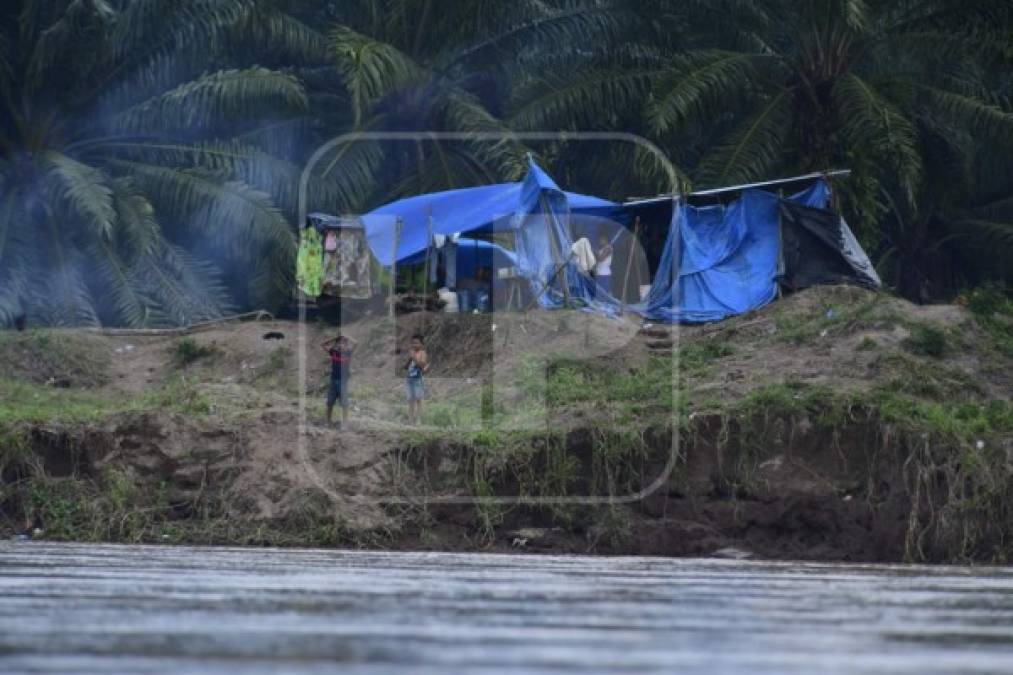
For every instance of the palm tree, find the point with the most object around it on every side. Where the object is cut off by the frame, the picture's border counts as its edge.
(430, 66)
(746, 89)
(134, 174)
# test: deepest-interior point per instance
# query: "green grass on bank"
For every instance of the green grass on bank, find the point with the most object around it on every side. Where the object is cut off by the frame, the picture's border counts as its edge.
(25, 402)
(967, 420)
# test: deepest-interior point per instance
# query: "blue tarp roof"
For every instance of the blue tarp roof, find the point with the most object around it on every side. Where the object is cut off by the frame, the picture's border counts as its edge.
(475, 253)
(717, 261)
(484, 208)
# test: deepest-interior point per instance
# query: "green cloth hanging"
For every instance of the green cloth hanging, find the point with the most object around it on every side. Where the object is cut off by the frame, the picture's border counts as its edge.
(309, 264)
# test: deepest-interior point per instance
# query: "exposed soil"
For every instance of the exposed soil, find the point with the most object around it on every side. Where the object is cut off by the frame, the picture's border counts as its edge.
(753, 460)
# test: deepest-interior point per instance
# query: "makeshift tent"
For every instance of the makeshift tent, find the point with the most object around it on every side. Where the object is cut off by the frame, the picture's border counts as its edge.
(717, 260)
(487, 208)
(818, 247)
(721, 260)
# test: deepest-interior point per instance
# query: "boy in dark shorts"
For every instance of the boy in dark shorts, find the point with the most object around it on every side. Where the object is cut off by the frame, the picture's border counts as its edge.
(340, 349)
(417, 365)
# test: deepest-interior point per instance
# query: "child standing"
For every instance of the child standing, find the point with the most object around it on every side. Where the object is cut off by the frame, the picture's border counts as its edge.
(340, 349)
(417, 365)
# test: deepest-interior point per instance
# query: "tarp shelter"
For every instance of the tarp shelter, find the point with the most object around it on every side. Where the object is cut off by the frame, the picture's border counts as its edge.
(818, 247)
(483, 209)
(716, 261)
(466, 256)
(726, 259)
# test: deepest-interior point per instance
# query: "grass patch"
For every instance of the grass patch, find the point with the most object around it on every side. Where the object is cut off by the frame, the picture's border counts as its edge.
(832, 318)
(179, 395)
(697, 356)
(187, 351)
(34, 403)
(992, 308)
(42, 355)
(26, 402)
(866, 344)
(966, 420)
(926, 340)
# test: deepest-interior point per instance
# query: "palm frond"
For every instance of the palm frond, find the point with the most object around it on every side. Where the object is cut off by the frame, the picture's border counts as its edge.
(870, 123)
(976, 19)
(699, 84)
(856, 14)
(580, 99)
(352, 171)
(6, 67)
(371, 69)
(754, 148)
(85, 189)
(241, 223)
(138, 232)
(123, 301)
(213, 98)
(993, 235)
(569, 23)
(281, 37)
(15, 258)
(61, 297)
(187, 290)
(55, 44)
(988, 120)
(465, 113)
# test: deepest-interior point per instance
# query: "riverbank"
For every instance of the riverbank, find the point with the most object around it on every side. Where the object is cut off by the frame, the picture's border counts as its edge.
(835, 424)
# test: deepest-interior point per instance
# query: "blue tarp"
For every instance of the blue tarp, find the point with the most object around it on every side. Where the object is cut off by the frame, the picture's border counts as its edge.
(717, 260)
(472, 254)
(721, 260)
(487, 208)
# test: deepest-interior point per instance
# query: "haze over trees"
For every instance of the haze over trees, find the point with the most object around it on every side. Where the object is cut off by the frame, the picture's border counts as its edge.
(150, 149)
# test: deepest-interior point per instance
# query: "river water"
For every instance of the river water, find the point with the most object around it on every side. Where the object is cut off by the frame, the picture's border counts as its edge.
(139, 609)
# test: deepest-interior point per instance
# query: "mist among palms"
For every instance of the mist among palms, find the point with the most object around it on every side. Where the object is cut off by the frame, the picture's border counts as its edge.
(149, 150)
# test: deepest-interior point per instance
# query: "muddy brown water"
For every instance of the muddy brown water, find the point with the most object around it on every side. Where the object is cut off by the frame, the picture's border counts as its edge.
(142, 609)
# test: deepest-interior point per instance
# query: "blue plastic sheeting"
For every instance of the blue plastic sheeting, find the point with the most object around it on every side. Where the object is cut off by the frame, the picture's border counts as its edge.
(472, 254)
(542, 238)
(721, 260)
(487, 208)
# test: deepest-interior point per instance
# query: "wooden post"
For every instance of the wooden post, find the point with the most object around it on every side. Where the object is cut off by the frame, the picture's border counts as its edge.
(554, 246)
(429, 245)
(629, 260)
(393, 268)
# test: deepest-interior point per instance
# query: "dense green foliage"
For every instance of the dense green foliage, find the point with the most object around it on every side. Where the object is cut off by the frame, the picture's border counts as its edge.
(150, 150)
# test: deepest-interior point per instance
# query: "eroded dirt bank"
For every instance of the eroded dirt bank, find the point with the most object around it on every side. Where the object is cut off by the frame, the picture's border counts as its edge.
(832, 425)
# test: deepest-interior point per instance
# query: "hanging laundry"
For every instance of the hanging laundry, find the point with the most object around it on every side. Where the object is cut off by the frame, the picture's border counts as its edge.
(309, 263)
(347, 267)
(583, 254)
(331, 241)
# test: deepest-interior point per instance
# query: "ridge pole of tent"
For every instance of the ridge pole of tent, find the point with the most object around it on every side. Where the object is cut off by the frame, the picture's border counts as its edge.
(629, 258)
(393, 268)
(556, 249)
